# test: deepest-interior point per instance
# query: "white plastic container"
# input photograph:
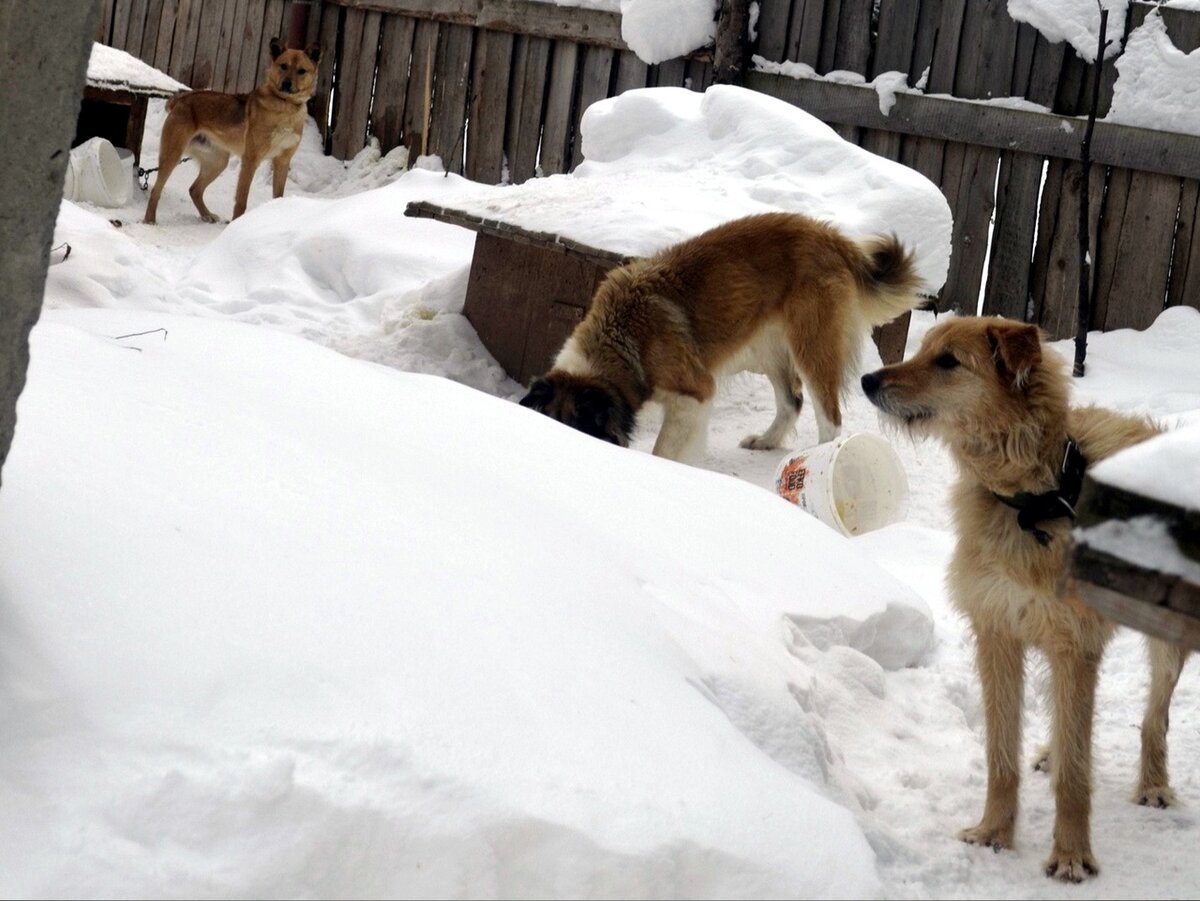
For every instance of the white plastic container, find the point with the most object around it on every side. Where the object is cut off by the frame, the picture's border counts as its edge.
(855, 483)
(99, 173)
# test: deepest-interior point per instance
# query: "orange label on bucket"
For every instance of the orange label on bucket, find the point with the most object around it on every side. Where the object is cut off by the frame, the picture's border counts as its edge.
(791, 480)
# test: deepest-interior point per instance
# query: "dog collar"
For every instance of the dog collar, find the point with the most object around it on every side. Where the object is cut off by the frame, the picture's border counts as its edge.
(1035, 508)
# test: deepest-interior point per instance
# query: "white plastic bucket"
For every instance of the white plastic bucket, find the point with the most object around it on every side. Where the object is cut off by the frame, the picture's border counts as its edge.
(99, 173)
(855, 483)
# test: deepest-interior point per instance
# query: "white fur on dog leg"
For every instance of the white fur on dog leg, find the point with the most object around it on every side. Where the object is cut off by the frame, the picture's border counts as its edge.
(684, 432)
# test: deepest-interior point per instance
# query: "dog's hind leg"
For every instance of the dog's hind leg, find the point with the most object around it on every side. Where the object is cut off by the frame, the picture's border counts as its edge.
(213, 161)
(1166, 663)
(788, 401)
(684, 432)
(175, 136)
(1000, 659)
(1073, 673)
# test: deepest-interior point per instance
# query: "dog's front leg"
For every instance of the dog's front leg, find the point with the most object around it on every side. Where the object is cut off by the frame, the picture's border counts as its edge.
(1073, 673)
(245, 175)
(279, 171)
(1000, 658)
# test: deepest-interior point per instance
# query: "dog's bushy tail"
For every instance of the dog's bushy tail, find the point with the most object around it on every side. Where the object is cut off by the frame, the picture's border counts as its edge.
(887, 277)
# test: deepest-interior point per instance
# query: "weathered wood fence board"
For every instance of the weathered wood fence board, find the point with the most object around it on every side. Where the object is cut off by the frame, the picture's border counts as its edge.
(500, 86)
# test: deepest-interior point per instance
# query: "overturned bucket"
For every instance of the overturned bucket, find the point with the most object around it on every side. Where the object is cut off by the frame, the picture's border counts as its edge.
(855, 483)
(99, 173)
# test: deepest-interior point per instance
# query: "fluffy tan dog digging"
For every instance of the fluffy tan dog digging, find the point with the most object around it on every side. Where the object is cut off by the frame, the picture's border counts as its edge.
(777, 293)
(263, 125)
(990, 392)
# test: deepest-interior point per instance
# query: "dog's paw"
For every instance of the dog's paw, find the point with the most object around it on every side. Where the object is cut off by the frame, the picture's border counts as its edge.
(210, 217)
(998, 838)
(1071, 866)
(1159, 796)
(1041, 760)
(759, 442)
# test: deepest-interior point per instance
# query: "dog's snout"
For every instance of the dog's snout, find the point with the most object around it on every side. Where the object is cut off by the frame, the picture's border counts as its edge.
(286, 85)
(870, 383)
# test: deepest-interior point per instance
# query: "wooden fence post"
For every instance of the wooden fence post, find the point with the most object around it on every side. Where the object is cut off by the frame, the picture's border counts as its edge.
(729, 55)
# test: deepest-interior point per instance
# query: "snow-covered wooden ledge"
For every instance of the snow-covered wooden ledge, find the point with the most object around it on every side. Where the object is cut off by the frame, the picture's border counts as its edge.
(1137, 554)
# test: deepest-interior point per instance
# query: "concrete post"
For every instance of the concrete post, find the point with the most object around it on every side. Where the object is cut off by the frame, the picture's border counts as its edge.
(44, 50)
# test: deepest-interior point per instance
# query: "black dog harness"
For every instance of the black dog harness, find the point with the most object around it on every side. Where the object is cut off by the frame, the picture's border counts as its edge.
(1035, 508)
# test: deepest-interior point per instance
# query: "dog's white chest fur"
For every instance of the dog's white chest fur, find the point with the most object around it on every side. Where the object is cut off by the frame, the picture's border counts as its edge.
(283, 138)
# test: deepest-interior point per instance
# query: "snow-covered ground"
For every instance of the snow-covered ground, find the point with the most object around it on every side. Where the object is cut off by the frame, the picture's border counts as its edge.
(280, 621)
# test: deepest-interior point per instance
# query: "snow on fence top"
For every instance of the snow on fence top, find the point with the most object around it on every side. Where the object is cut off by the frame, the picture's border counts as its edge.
(659, 30)
(1076, 21)
(116, 70)
(1156, 87)
(664, 164)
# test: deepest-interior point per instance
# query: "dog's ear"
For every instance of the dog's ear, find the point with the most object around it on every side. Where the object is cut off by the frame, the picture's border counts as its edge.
(540, 393)
(314, 52)
(276, 48)
(1016, 349)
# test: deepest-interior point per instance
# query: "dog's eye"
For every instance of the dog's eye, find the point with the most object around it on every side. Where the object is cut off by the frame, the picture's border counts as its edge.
(946, 361)
(283, 66)
(301, 71)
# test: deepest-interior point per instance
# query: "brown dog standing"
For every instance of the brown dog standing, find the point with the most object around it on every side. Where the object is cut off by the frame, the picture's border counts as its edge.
(998, 400)
(265, 124)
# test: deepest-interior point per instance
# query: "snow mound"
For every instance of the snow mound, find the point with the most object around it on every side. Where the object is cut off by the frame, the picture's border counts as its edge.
(262, 600)
(664, 164)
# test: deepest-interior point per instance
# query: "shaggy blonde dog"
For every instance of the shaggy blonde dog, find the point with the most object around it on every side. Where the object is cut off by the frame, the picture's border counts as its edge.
(998, 401)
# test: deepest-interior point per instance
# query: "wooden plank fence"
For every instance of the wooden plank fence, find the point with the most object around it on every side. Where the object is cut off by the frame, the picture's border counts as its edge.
(497, 89)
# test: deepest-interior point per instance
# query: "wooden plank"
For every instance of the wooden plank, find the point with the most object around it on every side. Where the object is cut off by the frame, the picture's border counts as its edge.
(254, 47)
(929, 16)
(1054, 277)
(104, 21)
(986, 125)
(829, 25)
(772, 30)
(324, 102)
(1134, 256)
(595, 76)
(208, 34)
(1161, 621)
(415, 133)
(187, 36)
(167, 23)
(362, 69)
(395, 52)
(804, 31)
(1017, 189)
(489, 106)
(524, 300)
(452, 80)
(668, 74)
(1184, 287)
(526, 106)
(160, 16)
(236, 43)
(852, 51)
(136, 28)
(698, 74)
(225, 33)
(354, 89)
(121, 15)
(944, 62)
(537, 19)
(896, 36)
(148, 32)
(271, 28)
(632, 72)
(560, 98)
